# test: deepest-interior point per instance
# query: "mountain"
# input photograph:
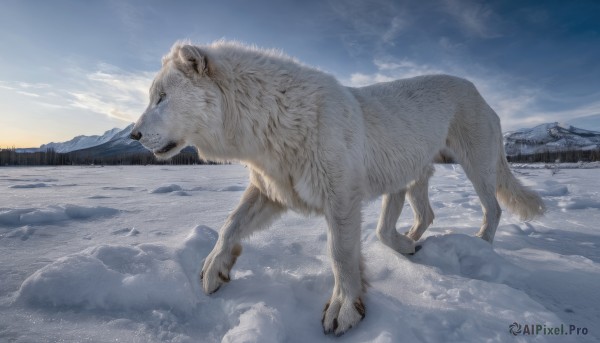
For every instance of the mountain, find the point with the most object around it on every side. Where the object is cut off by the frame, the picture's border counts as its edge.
(113, 143)
(113, 147)
(79, 142)
(120, 145)
(551, 137)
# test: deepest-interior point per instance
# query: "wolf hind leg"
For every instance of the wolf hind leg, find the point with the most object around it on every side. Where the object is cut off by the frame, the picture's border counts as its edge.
(386, 227)
(418, 197)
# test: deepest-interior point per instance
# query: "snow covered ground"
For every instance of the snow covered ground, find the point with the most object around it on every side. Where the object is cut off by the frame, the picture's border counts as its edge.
(112, 254)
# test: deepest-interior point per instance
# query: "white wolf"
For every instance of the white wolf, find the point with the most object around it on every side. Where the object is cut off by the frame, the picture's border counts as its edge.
(315, 146)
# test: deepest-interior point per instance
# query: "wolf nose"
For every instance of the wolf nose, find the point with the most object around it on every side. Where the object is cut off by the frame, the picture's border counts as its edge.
(135, 135)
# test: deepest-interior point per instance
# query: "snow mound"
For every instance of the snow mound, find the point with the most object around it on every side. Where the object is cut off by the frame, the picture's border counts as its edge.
(553, 188)
(467, 256)
(231, 189)
(23, 233)
(126, 188)
(579, 203)
(113, 277)
(259, 324)
(98, 197)
(167, 189)
(30, 185)
(126, 232)
(52, 214)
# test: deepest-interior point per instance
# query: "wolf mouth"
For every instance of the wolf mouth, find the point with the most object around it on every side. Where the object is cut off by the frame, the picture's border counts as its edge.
(170, 146)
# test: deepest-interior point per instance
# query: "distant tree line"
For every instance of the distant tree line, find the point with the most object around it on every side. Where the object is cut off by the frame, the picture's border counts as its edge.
(560, 156)
(10, 157)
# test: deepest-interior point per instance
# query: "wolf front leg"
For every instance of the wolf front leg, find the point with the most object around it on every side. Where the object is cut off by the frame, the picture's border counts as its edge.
(345, 308)
(254, 212)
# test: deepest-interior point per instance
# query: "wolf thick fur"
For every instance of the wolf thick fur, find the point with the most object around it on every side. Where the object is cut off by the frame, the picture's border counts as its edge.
(315, 146)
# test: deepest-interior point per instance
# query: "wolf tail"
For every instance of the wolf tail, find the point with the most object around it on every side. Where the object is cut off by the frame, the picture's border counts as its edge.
(516, 197)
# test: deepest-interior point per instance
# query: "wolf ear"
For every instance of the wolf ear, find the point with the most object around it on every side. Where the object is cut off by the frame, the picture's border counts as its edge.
(193, 60)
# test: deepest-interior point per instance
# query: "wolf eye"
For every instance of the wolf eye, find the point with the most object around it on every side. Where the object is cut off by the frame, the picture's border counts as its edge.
(161, 97)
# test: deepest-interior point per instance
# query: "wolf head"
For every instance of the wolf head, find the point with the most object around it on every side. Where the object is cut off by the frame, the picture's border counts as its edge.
(185, 106)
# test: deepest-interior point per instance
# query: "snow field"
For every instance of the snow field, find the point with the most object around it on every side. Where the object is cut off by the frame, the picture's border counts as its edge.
(117, 256)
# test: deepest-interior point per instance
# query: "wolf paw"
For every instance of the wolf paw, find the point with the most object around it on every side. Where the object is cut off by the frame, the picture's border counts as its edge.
(413, 234)
(216, 268)
(341, 314)
(401, 243)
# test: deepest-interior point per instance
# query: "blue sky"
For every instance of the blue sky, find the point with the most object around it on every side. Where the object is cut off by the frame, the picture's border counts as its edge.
(83, 67)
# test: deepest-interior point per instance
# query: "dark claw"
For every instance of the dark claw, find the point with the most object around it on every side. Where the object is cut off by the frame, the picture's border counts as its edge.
(360, 308)
(343, 332)
(216, 289)
(224, 278)
(417, 248)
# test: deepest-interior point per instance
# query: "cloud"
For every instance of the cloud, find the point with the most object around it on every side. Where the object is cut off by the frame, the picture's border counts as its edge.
(38, 91)
(4, 85)
(398, 43)
(106, 90)
(396, 26)
(475, 19)
(23, 86)
(391, 70)
(27, 85)
(114, 92)
(516, 104)
(360, 80)
(34, 95)
(584, 110)
(370, 25)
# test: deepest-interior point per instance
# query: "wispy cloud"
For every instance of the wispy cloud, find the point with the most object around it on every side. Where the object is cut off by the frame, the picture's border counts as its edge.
(396, 26)
(399, 45)
(23, 86)
(584, 110)
(107, 91)
(373, 24)
(28, 85)
(476, 19)
(33, 90)
(516, 105)
(113, 92)
(34, 95)
(391, 70)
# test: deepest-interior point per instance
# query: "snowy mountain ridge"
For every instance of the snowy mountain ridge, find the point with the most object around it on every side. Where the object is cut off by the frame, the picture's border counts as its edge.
(550, 137)
(119, 144)
(80, 142)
